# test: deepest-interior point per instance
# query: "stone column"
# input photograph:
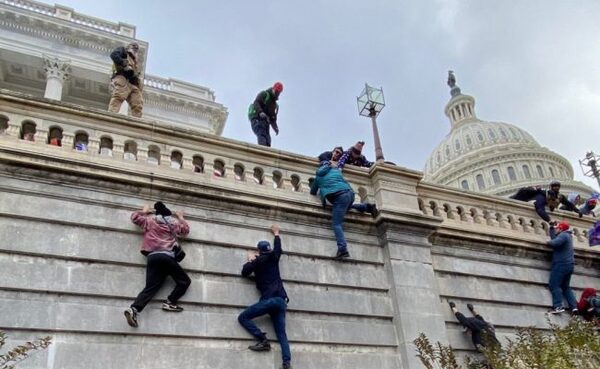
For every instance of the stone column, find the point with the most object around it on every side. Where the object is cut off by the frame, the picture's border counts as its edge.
(57, 71)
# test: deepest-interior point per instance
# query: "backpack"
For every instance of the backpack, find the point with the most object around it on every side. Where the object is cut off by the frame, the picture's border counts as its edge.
(252, 110)
(594, 234)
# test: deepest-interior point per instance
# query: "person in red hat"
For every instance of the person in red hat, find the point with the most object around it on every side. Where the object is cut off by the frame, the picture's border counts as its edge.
(354, 156)
(262, 113)
(563, 263)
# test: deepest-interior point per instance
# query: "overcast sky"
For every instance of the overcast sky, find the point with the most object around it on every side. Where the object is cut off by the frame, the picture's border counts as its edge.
(535, 64)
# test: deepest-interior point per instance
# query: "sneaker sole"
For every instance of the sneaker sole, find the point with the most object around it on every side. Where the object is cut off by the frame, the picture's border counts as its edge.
(132, 322)
(259, 350)
(172, 310)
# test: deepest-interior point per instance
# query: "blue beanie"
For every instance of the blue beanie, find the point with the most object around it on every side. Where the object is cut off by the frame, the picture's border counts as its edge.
(264, 246)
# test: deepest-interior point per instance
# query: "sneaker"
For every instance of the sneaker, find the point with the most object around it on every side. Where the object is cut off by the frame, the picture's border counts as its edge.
(556, 310)
(169, 306)
(263, 345)
(452, 304)
(342, 254)
(575, 311)
(286, 366)
(131, 316)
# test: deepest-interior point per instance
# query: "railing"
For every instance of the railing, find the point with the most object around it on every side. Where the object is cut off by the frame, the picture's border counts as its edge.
(69, 15)
(158, 82)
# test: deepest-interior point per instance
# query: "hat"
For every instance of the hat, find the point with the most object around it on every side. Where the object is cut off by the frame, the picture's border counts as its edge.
(278, 87)
(358, 147)
(592, 202)
(263, 246)
(161, 209)
(563, 226)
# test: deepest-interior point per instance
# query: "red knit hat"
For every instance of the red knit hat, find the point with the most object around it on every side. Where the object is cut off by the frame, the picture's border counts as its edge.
(563, 226)
(278, 87)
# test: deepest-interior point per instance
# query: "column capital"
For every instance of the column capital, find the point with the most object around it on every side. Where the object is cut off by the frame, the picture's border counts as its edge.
(56, 68)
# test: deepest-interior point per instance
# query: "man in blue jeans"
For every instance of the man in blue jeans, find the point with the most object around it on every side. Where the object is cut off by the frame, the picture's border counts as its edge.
(563, 262)
(333, 187)
(273, 298)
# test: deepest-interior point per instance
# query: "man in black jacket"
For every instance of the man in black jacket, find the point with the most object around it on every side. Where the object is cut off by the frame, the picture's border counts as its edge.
(482, 332)
(263, 113)
(126, 80)
(273, 298)
(551, 198)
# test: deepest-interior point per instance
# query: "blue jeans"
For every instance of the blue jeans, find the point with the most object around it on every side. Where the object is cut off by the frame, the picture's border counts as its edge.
(560, 280)
(275, 307)
(261, 130)
(342, 202)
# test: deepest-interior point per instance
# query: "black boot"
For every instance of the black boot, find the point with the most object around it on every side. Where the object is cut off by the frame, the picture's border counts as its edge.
(263, 345)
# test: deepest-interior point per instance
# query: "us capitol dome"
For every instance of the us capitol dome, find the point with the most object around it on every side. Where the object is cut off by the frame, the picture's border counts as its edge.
(493, 157)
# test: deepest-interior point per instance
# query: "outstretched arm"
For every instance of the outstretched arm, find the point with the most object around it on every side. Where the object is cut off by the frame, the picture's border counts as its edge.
(540, 207)
(276, 242)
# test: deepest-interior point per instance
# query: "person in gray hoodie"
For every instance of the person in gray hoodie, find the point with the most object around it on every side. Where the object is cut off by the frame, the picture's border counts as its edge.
(332, 187)
(563, 263)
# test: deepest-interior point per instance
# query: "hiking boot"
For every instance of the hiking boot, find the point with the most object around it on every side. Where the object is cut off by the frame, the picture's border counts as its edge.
(131, 316)
(263, 345)
(452, 304)
(342, 254)
(556, 310)
(169, 306)
(286, 366)
(372, 208)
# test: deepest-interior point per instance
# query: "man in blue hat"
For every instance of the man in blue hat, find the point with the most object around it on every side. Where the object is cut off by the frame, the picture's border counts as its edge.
(273, 298)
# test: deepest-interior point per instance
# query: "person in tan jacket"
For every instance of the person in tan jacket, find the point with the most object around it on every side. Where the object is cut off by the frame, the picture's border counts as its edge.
(126, 80)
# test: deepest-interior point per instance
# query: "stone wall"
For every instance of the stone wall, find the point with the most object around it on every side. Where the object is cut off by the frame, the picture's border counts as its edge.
(69, 260)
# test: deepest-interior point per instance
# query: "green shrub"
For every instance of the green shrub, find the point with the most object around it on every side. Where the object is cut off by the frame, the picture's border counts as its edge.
(574, 346)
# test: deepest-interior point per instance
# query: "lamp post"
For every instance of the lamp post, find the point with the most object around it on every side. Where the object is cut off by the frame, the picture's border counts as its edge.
(589, 166)
(370, 103)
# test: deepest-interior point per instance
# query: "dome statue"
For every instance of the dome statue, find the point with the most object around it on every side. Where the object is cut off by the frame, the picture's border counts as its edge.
(493, 157)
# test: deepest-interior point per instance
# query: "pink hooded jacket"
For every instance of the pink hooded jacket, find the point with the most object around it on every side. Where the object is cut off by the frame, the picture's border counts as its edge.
(157, 235)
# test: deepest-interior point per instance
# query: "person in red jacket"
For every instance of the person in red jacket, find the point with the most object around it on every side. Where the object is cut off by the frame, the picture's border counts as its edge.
(589, 304)
(160, 236)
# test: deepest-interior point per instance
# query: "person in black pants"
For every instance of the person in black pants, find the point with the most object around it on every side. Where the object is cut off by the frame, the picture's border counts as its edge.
(482, 332)
(273, 298)
(160, 236)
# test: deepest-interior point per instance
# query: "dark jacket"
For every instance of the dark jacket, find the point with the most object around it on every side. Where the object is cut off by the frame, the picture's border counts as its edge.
(265, 102)
(542, 199)
(562, 247)
(266, 272)
(359, 161)
(325, 156)
(328, 181)
(121, 59)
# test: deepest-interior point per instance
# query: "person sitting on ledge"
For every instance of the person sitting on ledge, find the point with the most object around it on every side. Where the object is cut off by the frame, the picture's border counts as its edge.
(160, 236)
(334, 154)
(332, 187)
(273, 298)
(551, 198)
(353, 156)
(482, 332)
(563, 263)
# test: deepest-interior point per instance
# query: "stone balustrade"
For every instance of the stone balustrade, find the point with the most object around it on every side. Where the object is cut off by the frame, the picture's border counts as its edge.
(157, 82)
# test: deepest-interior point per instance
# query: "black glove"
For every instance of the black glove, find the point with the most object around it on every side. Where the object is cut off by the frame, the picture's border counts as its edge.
(580, 214)
(452, 304)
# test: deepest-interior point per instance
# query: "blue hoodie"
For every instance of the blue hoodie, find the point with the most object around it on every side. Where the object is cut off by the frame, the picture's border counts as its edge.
(562, 247)
(329, 180)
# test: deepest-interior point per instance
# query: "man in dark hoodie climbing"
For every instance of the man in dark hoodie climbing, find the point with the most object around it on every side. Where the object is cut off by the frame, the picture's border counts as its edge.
(482, 332)
(332, 187)
(263, 113)
(126, 80)
(551, 198)
(563, 264)
(273, 298)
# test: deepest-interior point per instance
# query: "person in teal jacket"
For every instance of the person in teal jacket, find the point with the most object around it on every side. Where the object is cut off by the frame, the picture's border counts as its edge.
(333, 187)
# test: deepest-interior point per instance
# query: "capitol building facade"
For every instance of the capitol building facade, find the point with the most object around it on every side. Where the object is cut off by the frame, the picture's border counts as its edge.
(494, 158)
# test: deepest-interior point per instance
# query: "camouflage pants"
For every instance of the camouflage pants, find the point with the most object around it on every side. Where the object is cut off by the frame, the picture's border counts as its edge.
(122, 90)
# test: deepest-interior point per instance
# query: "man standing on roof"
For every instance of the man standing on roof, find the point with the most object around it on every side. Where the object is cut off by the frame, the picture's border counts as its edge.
(263, 113)
(126, 80)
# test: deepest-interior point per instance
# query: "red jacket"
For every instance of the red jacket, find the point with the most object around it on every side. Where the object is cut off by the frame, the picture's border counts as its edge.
(157, 235)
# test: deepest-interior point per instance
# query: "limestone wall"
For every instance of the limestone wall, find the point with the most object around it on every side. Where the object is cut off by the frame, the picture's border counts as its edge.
(70, 265)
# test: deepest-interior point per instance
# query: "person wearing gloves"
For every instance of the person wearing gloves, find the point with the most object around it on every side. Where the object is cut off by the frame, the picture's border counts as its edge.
(332, 187)
(262, 113)
(551, 198)
(481, 331)
(354, 156)
(161, 230)
(273, 298)
(563, 263)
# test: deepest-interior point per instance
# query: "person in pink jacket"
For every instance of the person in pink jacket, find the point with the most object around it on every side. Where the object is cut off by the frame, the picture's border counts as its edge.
(161, 230)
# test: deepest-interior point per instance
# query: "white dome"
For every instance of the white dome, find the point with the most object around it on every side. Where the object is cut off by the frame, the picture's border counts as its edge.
(493, 157)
